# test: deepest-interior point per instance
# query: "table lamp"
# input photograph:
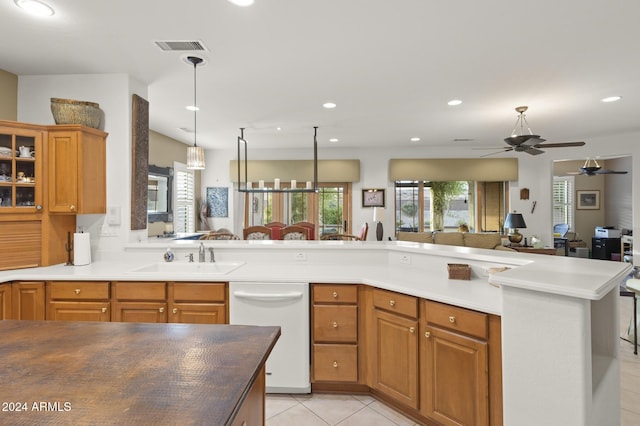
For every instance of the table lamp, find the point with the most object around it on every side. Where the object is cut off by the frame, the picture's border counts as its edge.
(378, 214)
(514, 221)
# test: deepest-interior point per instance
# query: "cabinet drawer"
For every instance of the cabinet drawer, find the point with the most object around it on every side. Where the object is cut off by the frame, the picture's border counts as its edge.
(335, 323)
(335, 363)
(395, 302)
(70, 290)
(332, 293)
(459, 319)
(139, 291)
(199, 292)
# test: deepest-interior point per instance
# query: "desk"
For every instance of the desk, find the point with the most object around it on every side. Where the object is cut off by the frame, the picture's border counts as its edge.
(132, 373)
(562, 242)
(523, 249)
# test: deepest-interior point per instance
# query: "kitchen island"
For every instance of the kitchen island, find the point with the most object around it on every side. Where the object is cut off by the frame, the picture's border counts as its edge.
(559, 338)
(132, 373)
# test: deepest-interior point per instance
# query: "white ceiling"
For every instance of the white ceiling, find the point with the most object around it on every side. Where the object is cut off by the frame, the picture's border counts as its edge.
(389, 65)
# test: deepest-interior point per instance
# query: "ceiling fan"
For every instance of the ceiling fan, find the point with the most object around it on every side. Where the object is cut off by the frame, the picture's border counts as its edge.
(521, 141)
(592, 168)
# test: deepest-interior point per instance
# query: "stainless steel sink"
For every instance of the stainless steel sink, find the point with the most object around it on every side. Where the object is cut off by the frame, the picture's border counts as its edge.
(217, 268)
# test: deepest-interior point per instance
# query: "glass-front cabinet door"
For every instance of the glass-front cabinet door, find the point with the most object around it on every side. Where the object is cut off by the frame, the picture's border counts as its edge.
(20, 170)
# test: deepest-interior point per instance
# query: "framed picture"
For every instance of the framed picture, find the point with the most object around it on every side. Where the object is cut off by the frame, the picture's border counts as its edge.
(588, 200)
(218, 202)
(373, 198)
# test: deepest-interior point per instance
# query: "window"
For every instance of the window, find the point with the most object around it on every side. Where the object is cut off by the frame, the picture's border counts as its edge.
(563, 201)
(184, 211)
(329, 209)
(479, 205)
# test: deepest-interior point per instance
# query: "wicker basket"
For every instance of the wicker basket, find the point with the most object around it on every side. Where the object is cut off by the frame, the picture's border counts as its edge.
(69, 111)
(459, 271)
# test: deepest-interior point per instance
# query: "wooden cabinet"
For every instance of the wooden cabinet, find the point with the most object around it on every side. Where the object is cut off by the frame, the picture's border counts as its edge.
(77, 169)
(5, 301)
(334, 333)
(197, 303)
(21, 175)
(252, 410)
(394, 346)
(78, 301)
(139, 301)
(27, 298)
(455, 378)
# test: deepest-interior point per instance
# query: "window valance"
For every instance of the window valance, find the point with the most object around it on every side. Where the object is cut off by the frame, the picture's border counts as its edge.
(448, 169)
(302, 170)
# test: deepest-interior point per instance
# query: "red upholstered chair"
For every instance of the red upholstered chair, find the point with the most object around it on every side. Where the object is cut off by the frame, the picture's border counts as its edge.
(310, 226)
(276, 227)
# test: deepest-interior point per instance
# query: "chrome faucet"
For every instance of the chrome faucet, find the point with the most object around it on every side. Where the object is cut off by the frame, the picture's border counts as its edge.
(213, 256)
(201, 253)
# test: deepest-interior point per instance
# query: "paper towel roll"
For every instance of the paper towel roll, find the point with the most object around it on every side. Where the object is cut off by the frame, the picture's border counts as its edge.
(81, 248)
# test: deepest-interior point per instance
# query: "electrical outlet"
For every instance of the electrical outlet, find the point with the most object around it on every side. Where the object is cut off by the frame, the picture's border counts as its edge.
(300, 257)
(405, 259)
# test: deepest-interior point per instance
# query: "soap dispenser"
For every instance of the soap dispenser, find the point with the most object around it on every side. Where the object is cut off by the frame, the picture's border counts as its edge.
(168, 255)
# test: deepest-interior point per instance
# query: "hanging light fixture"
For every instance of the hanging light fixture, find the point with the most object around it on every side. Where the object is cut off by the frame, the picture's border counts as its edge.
(244, 185)
(195, 153)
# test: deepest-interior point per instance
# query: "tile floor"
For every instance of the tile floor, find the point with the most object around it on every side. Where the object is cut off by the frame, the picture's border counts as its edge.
(345, 410)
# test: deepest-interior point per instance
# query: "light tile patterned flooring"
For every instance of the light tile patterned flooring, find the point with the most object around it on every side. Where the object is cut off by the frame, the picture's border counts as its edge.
(357, 410)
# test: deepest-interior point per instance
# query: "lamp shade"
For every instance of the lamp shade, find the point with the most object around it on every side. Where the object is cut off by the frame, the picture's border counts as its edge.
(195, 158)
(514, 220)
(378, 214)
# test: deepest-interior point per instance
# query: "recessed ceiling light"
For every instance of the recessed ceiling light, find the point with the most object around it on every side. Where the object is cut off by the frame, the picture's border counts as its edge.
(611, 99)
(454, 102)
(243, 3)
(415, 139)
(329, 105)
(278, 128)
(35, 7)
(334, 140)
(193, 108)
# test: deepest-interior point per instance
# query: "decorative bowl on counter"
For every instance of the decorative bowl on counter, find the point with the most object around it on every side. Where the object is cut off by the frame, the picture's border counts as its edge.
(70, 111)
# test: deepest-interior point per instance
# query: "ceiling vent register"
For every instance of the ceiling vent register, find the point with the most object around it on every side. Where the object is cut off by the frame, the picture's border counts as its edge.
(181, 45)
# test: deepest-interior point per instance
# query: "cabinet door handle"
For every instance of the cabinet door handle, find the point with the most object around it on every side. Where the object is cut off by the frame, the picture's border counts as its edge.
(412, 330)
(334, 324)
(77, 290)
(38, 207)
(335, 364)
(452, 319)
(427, 334)
(175, 310)
(161, 310)
(335, 294)
(104, 310)
(72, 208)
(392, 302)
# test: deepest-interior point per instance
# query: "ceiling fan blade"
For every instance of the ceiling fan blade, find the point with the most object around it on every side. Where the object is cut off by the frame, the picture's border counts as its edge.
(534, 151)
(575, 173)
(492, 148)
(497, 152)
(610, 172)
(523, 140)
(559, 144)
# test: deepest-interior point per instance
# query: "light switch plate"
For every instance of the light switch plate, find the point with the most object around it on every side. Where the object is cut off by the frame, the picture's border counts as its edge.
(113, 215)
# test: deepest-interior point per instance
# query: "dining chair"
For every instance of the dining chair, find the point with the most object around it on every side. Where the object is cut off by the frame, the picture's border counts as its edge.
(294, 232)
(362, 235)
(276, 227)
(310, 227)
(257, 232)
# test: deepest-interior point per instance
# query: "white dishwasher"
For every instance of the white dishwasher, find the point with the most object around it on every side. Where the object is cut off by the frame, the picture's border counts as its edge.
(280, 304)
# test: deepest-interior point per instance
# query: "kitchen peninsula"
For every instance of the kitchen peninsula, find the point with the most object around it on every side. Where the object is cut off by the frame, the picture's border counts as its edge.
(556, 317)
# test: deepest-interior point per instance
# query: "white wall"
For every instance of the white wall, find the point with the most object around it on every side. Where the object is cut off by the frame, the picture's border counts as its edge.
(113, 92)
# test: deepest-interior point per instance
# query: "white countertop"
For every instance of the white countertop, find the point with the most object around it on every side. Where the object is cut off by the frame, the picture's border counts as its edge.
(382, 265)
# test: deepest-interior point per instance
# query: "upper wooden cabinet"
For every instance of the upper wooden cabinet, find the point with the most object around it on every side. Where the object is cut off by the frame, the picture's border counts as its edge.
(77, 170)
(21, 175)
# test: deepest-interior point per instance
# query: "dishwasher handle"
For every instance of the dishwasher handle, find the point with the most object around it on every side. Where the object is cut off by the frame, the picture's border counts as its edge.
(292, 295)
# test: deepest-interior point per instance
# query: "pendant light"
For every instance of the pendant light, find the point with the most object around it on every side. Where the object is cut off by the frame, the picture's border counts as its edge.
(195, 153)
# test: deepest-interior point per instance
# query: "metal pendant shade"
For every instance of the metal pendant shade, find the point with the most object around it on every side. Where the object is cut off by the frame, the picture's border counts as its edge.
(195, 153)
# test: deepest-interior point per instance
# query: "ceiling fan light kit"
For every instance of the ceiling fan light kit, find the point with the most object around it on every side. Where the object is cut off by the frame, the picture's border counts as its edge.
(592, 168)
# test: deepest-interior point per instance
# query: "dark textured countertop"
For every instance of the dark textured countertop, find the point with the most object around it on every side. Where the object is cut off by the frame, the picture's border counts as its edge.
(85, 373)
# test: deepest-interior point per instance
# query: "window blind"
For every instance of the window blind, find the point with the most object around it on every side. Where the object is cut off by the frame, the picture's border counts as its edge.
(184, 211)
(563, 200)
